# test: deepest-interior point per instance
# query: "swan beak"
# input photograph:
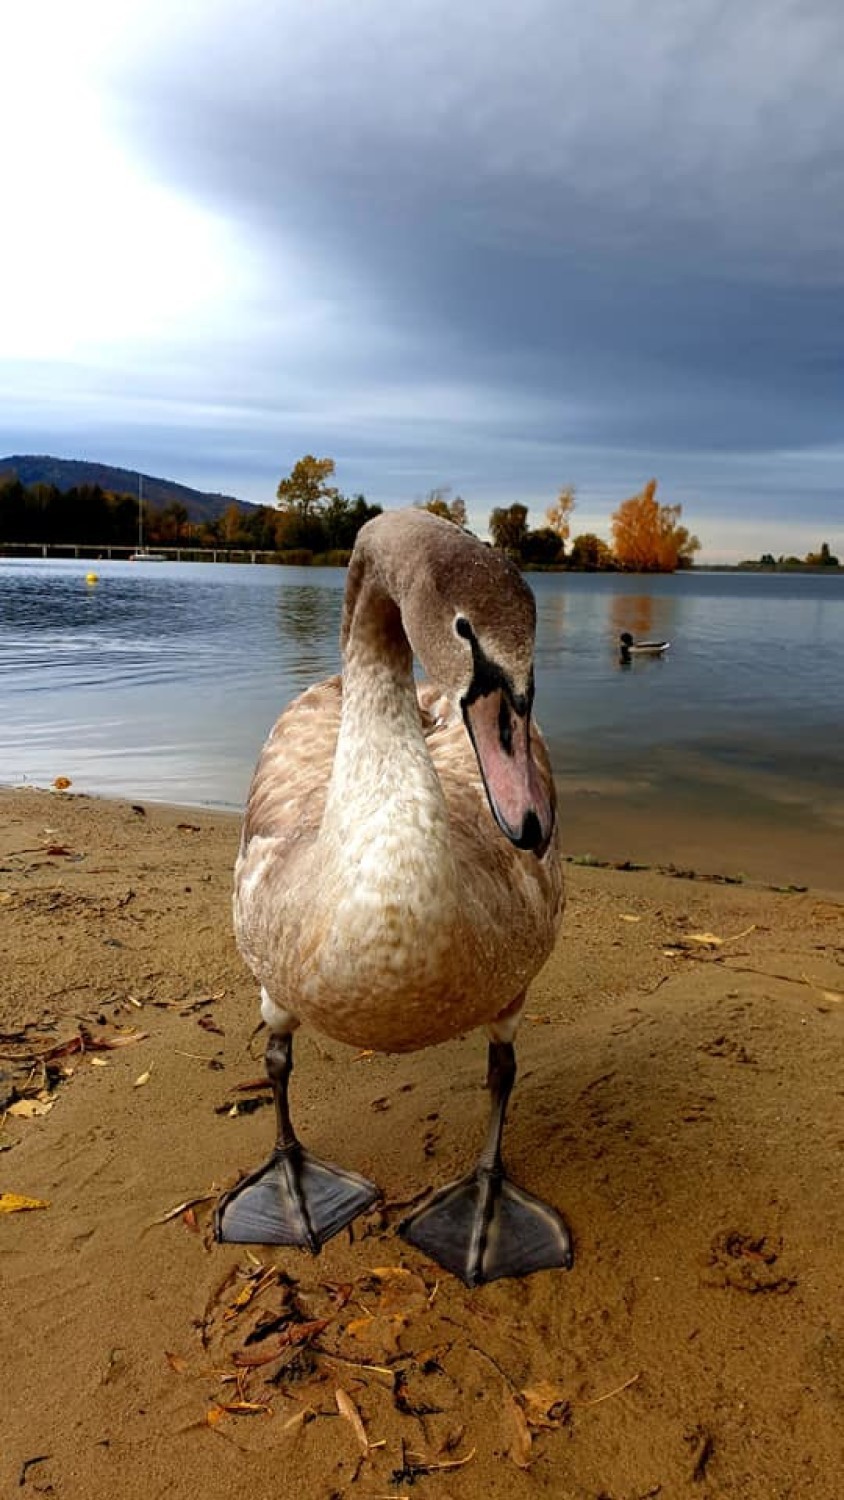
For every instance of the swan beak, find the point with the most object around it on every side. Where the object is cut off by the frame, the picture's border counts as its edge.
(520, 801)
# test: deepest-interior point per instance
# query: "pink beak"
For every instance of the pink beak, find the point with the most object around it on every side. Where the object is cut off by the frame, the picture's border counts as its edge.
(520, 801)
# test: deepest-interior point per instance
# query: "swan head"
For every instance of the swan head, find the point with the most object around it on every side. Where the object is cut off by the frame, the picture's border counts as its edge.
(470, 619)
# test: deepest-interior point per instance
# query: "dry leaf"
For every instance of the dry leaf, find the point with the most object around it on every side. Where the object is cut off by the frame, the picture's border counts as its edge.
(299, 1419)
(98, 1062)
(348, 1410)
(258, 1282)
(30, 1109)
(706, 939)
(544, 1405)
(214, 1415)
(520, 1441)
(247, 1408)
(16, 1203)
(173, 1213)
(144, 1078)
(62, 783)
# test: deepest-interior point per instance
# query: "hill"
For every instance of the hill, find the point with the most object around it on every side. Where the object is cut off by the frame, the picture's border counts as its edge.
(68, 473)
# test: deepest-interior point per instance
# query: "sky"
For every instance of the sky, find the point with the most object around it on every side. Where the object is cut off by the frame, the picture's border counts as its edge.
(502, 248)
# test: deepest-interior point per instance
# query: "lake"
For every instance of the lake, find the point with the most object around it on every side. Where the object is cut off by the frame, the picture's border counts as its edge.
(161, 680)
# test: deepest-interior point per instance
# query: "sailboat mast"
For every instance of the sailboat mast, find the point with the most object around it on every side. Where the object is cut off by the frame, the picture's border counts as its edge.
(140, 512)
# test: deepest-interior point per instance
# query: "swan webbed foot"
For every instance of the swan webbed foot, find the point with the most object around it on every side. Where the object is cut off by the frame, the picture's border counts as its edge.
(295, 1199)
(483, 1227)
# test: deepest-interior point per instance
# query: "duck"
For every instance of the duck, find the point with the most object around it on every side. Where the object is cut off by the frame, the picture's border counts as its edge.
(629, 647)
(399, 880)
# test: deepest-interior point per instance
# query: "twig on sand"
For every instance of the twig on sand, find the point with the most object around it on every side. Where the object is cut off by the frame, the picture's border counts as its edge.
(596, 1400)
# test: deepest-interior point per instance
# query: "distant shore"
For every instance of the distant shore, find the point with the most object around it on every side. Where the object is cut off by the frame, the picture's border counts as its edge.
(91, 552)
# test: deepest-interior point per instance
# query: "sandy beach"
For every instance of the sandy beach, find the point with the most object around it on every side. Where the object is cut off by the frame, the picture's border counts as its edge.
(679, 1099)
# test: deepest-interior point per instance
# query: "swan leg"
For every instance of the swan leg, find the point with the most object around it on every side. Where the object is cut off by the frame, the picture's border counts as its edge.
(483, 1227)
(294, 1199)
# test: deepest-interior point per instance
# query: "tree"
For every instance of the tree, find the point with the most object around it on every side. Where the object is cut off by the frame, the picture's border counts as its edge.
(509, 528)
(438, 503)
(542, 546)
(590, 553)
(647, 536)
(305, 492)
(342, 519)
(558, 515)
(822, 559)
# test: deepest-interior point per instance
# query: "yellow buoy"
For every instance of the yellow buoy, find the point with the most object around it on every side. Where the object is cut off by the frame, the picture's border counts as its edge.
(92, 577)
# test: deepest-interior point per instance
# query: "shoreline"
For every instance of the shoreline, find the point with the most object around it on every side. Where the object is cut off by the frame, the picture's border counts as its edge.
(769, 846)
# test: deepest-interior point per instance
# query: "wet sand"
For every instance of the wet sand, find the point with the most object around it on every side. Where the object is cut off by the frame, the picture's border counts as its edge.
(679, 1099)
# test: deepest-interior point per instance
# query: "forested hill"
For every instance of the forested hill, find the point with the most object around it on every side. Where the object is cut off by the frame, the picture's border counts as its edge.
(71, 473)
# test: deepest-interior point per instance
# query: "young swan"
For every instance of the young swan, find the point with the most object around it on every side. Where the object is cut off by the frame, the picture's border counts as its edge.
(399, 878)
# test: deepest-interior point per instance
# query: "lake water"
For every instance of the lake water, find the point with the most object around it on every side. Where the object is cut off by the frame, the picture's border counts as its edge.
(160, 681)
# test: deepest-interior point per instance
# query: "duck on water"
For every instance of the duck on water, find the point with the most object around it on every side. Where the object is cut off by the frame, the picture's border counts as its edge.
(399, 879)
(629, 647)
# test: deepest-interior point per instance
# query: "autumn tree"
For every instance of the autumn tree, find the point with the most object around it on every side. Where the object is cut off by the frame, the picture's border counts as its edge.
(558, 515)
(508, 528)
(822, 559)
(648, 537)
(306, 491)
(437, 502)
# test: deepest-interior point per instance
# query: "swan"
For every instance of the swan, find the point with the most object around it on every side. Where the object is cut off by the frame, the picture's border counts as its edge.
(399, 879)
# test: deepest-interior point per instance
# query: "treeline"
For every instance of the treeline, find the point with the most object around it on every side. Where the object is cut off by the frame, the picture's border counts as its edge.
(647, 537)
(822, 559)
(91, 516)
(313, 522)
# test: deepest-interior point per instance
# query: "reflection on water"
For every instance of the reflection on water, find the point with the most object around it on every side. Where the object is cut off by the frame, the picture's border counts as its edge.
(162, 681)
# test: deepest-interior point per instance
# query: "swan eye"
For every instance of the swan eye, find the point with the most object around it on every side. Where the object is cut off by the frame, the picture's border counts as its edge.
(462, 627)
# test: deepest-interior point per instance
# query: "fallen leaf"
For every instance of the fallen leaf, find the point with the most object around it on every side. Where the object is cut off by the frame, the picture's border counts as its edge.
(348, 1410)
(16, 1203)
(299, 1419)
(62, 783)
(544, 1405)
(706, 939)
(214, 1415)
(519, 1440)
(259, 1281)
(98, 1062)
(246, 1408)
(143, 1078)
(173, 1213)
(30, 1109)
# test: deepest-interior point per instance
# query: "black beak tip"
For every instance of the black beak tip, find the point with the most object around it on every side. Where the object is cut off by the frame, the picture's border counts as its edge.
(531, 836)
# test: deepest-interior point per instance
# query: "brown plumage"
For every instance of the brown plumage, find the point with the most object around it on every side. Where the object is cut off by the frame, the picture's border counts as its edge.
(399, 879)
(292, 873)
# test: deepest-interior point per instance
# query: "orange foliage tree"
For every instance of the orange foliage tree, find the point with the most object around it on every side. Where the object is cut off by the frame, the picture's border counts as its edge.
(558, 515)
(648, 537)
